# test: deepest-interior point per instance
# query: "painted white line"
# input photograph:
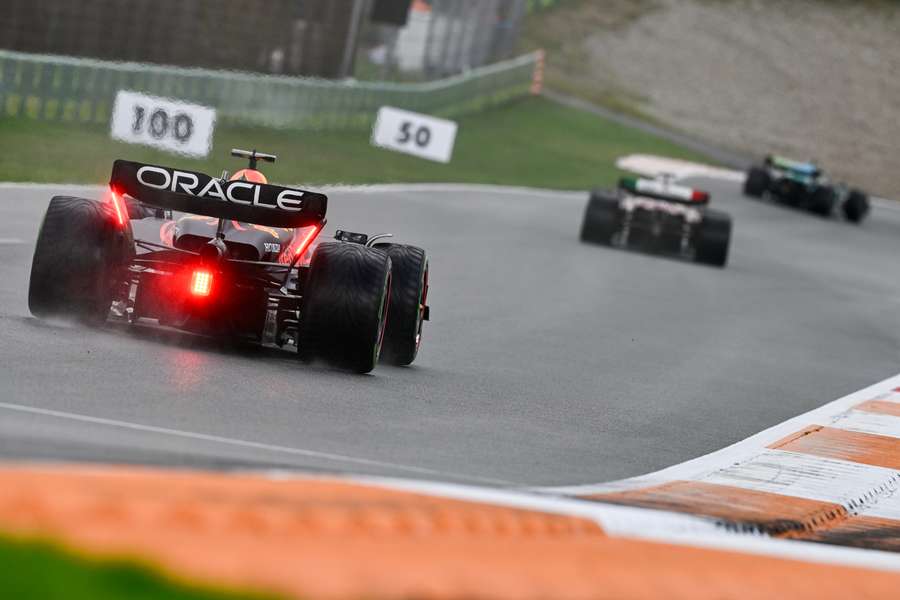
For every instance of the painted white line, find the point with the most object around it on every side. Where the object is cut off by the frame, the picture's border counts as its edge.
(248, 444)
(458, 188)
(885, 203)
(807, 476)
(654, 525)
(741, 451)
(462, 188)
(10, 241)
(615, 520)
(76, 188)
(381, 188)
(868, 422)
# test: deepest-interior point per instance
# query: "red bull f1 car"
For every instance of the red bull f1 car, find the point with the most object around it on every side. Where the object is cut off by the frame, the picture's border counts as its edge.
(235, 257)
(658, 216)
(805, 186)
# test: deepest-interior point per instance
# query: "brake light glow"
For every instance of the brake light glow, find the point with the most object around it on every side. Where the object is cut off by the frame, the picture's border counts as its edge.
(699, 196)
(306, 241)
(121, 211)
(201, 282)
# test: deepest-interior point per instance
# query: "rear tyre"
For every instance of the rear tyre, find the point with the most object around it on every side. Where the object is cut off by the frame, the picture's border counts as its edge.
(409, 290)
(822, 200)
(856, 206)
(713, 239)
(757, 182)
(79, 257)
(345, 305)
(601, 219)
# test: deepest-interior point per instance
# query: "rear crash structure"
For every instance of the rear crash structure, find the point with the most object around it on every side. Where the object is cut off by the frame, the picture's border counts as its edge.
(660, 217)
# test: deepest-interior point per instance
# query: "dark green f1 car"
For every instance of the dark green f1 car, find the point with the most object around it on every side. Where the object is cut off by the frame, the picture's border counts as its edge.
(803, 185)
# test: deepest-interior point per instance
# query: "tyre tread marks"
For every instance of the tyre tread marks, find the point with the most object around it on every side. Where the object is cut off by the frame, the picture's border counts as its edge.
(75, 249)
(340, 310)
(409, 265)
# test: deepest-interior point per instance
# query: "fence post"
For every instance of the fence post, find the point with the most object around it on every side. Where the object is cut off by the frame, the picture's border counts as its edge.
(537, 76)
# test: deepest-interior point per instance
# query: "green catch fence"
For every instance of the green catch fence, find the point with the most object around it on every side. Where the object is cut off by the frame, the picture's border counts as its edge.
(57, 88)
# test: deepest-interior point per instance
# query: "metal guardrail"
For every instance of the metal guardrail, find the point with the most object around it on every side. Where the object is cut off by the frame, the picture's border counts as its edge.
(58, 88)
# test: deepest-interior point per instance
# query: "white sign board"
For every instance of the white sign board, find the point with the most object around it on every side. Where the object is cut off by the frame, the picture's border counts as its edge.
(414, 133)
(163, 123)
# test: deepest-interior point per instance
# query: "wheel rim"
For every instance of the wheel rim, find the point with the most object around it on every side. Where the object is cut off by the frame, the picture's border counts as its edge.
(383, 317)
(422, 303)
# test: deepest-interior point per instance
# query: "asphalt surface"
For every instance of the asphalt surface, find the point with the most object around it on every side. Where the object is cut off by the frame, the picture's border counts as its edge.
(546, 362)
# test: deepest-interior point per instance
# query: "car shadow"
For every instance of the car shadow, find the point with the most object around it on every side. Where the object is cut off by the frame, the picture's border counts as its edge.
(146, 331)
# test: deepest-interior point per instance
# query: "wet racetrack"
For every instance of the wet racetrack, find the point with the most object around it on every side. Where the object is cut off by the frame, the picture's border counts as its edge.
(546, 361)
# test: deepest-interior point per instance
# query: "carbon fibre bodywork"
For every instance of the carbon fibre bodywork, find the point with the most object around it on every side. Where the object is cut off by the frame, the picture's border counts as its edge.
(253, 283)
(244, 235)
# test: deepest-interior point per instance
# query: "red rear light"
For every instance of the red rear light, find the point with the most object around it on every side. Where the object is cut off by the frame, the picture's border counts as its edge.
(118, 206)
(201, 282)
(306, 241)
(698, 196)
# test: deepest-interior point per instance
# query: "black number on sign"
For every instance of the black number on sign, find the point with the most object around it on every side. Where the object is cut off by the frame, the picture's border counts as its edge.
(404, 132)
(423, 136)
(159, 123)
(138, 119)
(184, 127)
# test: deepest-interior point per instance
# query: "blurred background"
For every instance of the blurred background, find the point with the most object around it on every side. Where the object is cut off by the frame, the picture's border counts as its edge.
(320, 38)
(814, 79)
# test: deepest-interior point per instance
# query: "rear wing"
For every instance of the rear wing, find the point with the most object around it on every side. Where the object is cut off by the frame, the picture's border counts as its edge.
(663, 190)
(196, 193)
(808, 169)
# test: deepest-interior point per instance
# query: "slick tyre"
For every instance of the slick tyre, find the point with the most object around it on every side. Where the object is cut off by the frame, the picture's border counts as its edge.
(79, 258)
(822, 201)
(344, 307)
(409, 291)
(601, 219)
(757, 182)
(713, 239)
(856, 206)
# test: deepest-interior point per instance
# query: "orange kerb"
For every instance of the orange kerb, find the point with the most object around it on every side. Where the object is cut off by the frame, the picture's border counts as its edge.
(873, 533)
(884, 407)
(774, 513)
(335, 539)
(854, 446)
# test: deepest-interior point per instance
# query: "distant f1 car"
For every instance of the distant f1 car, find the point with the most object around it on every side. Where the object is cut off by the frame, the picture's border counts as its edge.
(242, 263)
(656, 215)
(803, 185)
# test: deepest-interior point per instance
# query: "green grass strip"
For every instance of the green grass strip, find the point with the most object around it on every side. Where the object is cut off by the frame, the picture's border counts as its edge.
(530, 142)
(40, 570)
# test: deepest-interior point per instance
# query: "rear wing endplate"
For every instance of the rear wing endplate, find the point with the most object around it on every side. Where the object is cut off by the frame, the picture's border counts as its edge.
(200, 194)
